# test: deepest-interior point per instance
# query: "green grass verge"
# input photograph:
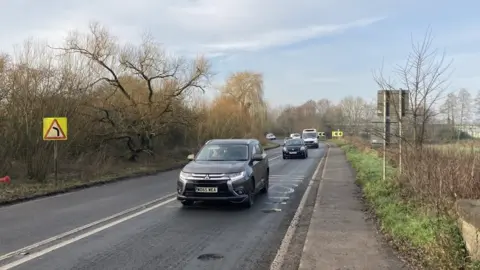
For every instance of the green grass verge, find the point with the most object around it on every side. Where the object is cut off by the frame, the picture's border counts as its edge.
(270, 145)
(427, 240)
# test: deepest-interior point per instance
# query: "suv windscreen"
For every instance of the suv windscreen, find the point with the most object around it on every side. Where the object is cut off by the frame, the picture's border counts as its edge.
(294, 142)
(223, 152)
(309, 135)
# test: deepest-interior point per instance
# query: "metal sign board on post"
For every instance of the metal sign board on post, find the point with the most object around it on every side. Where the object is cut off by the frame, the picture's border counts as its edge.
(398, 103)
(55, 129)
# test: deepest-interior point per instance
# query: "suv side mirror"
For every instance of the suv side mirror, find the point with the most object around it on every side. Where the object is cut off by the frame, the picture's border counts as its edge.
(191, 157)
(257, 157)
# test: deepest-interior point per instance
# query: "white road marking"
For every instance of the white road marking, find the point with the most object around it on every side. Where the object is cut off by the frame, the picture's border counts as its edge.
(283, 189)
(283, 249)
(288, 175)
(278, 198)
(81, 236)
(273, 158)
(84, 227)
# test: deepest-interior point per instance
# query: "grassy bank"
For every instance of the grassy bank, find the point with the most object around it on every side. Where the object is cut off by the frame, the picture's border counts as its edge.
(22, 189)
(427, 240)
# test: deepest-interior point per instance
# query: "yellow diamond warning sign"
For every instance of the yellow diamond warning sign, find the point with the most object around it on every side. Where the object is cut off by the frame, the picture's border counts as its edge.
(55, 129)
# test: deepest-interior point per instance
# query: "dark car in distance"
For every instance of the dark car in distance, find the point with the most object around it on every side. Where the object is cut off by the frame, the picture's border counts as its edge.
(232, 170)
(295, 148)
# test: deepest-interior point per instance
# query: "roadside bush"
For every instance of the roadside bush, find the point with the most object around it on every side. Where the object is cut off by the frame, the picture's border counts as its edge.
(429, 240)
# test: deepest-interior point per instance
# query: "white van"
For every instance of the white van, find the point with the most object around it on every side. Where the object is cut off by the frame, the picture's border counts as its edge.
(295, 136)
(310, 137)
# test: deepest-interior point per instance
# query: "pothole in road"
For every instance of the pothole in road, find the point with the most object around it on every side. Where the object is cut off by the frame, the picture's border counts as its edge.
(273, 210)
(209, 257)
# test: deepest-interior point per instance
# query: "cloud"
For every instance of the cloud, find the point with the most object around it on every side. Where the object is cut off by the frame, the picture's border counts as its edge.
(307, 49)
(289, 36)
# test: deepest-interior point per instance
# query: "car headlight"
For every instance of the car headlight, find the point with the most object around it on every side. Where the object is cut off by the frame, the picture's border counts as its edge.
(302, 148)
(285, 149)
(237, 176)
(184, 176)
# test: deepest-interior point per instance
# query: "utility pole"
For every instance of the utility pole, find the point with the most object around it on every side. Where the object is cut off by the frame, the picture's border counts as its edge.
(384, 134)
(400, 133)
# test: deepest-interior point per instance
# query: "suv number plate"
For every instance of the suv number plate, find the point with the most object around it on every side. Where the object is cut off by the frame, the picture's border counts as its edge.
(292, 153)
(206, 189)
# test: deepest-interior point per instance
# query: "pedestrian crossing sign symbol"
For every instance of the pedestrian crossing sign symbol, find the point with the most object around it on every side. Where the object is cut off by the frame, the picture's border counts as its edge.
(55, 129)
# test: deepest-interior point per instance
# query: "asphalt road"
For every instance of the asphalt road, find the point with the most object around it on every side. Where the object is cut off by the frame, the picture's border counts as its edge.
(166, 237)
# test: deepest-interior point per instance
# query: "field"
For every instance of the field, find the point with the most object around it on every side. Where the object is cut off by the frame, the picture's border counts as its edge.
(470, 146)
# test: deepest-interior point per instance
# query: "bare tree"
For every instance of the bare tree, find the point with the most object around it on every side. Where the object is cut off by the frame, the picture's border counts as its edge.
(449, 108)
(425, 75)
(477, 108)
(465, 105)
(353, 111)
(141, 87)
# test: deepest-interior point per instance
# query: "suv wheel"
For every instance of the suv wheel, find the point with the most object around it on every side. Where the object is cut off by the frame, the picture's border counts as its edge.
(266, 184)
(251, 197)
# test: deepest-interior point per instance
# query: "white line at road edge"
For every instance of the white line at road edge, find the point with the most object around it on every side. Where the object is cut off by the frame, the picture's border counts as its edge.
(283, 249)
(81, 236)
(273, 158)
(84, 227)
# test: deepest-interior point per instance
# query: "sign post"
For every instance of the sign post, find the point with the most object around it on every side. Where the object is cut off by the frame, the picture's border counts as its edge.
(385, 100)
(55, 129)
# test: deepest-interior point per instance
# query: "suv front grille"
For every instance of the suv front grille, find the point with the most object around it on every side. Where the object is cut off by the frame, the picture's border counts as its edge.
(211, 176)
(221, 187)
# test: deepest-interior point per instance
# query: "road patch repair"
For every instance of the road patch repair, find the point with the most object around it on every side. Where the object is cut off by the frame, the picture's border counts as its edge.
(340, 235)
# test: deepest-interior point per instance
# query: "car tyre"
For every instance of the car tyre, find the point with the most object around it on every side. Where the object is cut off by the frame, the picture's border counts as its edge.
(187, 203)
(266, 184)
(250, 201)
(284, 157)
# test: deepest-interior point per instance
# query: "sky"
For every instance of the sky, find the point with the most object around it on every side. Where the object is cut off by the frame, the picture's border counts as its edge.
(305, 49)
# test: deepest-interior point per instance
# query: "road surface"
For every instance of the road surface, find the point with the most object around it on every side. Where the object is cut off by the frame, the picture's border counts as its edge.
(159, 235)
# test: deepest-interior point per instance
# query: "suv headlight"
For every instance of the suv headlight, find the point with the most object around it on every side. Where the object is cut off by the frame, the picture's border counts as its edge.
(237, 176)
(302, 148)
(184, 176)
(285, 149)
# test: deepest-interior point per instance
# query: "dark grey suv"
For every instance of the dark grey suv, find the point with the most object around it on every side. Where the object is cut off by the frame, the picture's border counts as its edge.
(232, 170)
